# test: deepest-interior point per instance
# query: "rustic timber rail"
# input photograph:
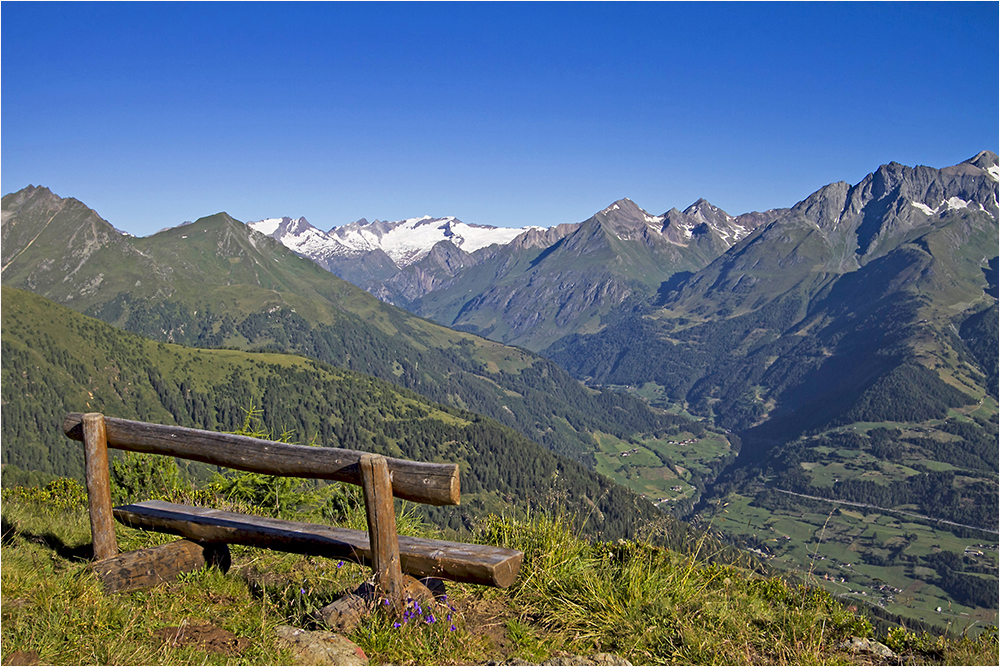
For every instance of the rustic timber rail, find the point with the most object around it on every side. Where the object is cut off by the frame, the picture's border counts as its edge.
(208, 531)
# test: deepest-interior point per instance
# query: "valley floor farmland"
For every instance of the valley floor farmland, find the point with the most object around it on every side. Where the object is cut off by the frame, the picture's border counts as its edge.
(667, 470)
(850, 509)
(877, 558)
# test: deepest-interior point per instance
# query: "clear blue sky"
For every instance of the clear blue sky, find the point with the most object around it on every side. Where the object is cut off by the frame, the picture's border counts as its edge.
(503, 114)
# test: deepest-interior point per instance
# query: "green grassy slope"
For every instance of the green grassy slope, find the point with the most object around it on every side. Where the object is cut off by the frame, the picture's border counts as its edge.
(642, 604)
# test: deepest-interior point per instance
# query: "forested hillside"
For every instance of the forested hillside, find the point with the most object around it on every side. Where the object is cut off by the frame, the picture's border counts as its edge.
(56, 361)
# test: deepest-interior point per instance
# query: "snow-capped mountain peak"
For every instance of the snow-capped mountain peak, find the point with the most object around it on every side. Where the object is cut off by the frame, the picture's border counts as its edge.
(404, 241)
(301, 237)
(407, 241)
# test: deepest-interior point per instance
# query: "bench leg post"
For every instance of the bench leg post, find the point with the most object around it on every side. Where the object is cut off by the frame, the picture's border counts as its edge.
(381, 515)
(95, 440)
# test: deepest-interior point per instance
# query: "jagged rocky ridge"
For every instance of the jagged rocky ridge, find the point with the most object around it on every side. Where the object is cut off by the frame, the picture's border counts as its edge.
(835, 309)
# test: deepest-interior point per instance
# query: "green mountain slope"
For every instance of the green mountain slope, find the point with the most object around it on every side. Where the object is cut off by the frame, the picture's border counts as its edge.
(822, 315)
(540, 288)
(217, 283)
(57, 361)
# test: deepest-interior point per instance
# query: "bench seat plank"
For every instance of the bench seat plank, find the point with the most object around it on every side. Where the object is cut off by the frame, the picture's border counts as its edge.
(420, 557)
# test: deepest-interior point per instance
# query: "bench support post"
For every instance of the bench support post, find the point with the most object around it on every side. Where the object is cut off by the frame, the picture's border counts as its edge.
(381, 515)
(99, 486)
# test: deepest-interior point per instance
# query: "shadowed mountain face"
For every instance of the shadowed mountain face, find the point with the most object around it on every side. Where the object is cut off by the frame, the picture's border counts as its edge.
(837, 309)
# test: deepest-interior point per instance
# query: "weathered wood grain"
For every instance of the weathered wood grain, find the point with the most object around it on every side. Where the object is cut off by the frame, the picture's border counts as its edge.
(420, 557)
(381, 517)
(95, 454)
(428, 483)
(139, 570)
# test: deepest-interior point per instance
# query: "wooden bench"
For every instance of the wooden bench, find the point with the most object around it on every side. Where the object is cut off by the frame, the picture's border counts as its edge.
(208, 531)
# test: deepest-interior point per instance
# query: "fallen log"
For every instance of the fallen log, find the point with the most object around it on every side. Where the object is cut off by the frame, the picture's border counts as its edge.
(145, 568)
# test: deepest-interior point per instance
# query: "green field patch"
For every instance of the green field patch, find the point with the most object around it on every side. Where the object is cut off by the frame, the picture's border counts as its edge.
(827, 475)
(639, 468)
(935, 466)
(663, 474)
(849, 454)
(987, 409)
(689, 451)
(864, 555)
(876, 476)
(897, 471)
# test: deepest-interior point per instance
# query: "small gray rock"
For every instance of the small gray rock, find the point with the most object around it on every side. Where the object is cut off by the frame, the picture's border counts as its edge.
(321, 647)
(858, 645)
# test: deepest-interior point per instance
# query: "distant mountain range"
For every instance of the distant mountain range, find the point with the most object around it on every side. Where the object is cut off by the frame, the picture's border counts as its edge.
(526, 286)
(626, 297)
(817, 316)
(404, 242)
(217, 283)
(787, 316)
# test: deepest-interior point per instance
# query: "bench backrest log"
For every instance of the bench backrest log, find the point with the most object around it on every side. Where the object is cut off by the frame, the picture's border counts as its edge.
(381, 478)
(427, 483)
